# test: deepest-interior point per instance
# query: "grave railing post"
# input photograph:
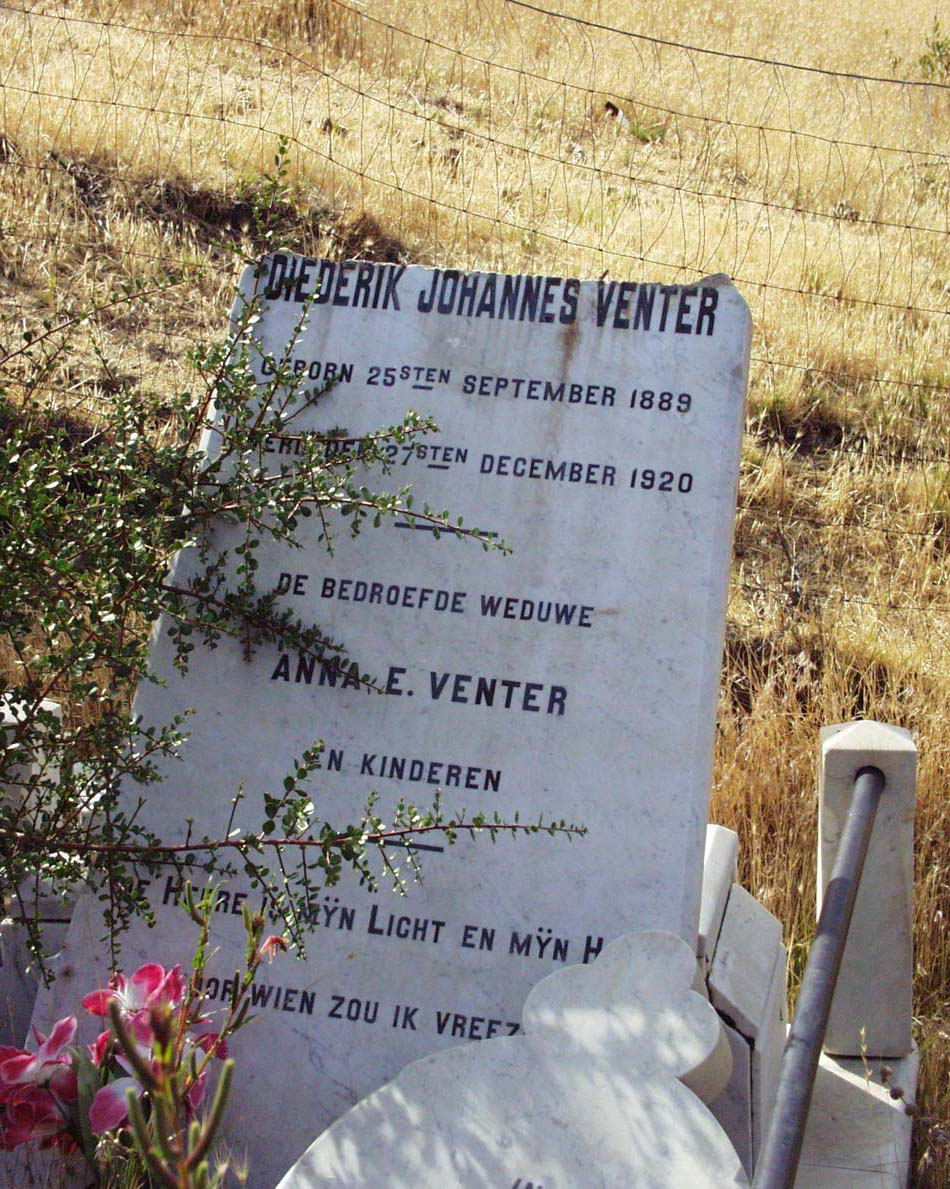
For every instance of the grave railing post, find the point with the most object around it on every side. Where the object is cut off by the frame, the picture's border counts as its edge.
(855, 997)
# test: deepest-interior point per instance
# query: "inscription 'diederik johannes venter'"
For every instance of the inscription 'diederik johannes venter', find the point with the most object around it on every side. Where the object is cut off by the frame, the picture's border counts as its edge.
(624, 304)
(595, 427)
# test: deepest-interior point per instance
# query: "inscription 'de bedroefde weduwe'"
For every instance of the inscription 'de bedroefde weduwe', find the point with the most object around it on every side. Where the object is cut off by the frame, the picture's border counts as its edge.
(595, 427)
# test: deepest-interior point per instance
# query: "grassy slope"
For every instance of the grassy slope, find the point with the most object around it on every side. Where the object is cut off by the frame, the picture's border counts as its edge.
(123, 151)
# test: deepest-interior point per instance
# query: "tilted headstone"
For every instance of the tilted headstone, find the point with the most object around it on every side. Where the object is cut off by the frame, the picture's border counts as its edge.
(595, 427)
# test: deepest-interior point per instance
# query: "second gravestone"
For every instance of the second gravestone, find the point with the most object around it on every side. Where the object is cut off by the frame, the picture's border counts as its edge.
(595, 427)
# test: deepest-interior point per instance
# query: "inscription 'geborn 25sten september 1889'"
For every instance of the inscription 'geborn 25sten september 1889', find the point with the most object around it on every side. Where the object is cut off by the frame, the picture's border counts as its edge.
(595, 427)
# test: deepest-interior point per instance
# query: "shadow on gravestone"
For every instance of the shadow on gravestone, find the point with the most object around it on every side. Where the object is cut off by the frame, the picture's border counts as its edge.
(596, 428)
(590, 1095)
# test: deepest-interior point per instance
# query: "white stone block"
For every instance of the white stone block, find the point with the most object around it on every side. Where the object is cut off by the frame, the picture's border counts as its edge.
(605, 1010)
(590, 1095)
(17, 987)
(747, 983)
(575, 679)
(858, 1134)
(874, 989)
(768, 1049)
(19, 981)
(720, 865)
(743, 967)
(31, 764)
(733, 1107)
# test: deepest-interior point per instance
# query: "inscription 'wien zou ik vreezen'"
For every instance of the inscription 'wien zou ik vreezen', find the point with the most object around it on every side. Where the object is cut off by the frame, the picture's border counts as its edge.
(595, 427)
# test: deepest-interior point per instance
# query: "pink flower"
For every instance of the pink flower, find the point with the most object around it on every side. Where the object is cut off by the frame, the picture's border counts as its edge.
(151, 984)
(33, 1114)
(48, 1067)
(212, 1042)
(196, 1092)
(144, 1002)
(99, 1049)
(109, 1108)
(270, 946)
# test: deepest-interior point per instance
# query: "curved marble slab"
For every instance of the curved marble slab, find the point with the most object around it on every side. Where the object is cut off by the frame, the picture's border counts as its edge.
(600, 1089)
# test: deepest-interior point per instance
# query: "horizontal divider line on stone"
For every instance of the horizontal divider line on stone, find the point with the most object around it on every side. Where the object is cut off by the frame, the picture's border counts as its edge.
(496, 220)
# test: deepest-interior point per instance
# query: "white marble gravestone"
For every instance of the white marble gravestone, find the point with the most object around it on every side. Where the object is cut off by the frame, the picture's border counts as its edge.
(595, 426)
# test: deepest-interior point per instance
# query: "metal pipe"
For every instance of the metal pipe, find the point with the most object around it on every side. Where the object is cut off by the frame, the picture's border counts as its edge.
(778, 1160)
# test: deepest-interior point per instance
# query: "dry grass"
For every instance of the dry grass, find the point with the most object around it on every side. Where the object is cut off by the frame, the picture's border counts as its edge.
(476, 134)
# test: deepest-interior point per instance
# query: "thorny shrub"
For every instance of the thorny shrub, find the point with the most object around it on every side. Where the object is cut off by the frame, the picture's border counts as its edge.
(89, 525)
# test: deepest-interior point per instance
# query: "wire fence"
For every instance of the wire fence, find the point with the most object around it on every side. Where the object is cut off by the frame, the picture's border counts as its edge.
(499, 135)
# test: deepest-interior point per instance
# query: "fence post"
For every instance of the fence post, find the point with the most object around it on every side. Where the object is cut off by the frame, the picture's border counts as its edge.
(874, 988)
